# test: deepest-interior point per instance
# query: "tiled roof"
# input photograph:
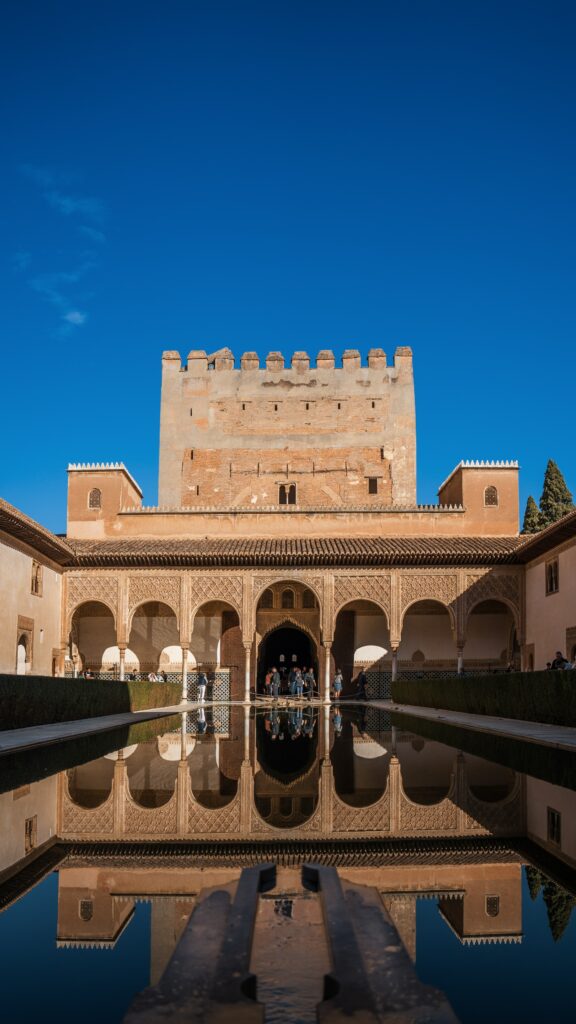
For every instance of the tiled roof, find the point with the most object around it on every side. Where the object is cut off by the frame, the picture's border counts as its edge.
(314, 551)
(535, 544)
(28, 531)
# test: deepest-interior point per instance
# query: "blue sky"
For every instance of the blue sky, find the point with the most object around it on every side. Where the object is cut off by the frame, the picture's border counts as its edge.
(285, 176)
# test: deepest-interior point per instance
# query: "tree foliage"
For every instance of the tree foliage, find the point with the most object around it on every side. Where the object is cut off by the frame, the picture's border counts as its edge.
(532, 518)
(556, 499)
(535, 880)
(559, 904)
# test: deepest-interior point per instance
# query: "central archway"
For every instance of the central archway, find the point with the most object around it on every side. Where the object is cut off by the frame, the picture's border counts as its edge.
(285, 646)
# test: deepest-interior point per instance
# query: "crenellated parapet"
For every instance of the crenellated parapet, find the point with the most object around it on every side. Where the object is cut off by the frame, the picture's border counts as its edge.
(201, 361)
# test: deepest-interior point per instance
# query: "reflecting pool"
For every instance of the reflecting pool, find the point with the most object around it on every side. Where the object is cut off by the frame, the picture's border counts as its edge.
(109, 843)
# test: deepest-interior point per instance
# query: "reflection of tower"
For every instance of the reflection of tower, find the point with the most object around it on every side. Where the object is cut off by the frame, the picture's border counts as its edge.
(167, 922)
(402, 910)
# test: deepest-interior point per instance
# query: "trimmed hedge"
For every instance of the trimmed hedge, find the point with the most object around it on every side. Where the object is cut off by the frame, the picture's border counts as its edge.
(548, 697)
(42, 700)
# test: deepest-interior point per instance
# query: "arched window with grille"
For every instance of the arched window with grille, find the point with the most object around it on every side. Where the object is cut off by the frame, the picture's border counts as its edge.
(287, 598)
(308, 600)
(95, 498)
(491, 496)
(267, 599)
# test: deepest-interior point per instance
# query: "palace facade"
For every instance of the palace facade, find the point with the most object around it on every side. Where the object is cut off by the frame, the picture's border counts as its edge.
(287, 530)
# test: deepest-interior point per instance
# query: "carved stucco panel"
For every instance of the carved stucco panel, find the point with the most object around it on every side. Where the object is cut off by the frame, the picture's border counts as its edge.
(216, 587)
(441, 587)
(213, 821)
(80, 821)
(362, 587)
(375, 818)
(492, 585)
(150, 820)
(92, 587)
(145, 587)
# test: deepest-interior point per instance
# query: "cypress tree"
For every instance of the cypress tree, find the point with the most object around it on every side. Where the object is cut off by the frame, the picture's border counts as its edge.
(556, 499)
(532, 517)
(559, 904)
(535, 880)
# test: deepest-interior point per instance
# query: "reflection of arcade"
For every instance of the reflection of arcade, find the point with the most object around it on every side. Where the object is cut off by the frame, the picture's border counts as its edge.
(286, 781)
(284, 648)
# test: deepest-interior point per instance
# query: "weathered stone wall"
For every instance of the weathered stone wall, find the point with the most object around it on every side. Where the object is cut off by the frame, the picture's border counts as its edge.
(233, 436)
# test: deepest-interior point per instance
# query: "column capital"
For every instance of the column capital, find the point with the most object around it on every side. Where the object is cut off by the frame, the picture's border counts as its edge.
(122, 646)
(247, 645)
(185, 646)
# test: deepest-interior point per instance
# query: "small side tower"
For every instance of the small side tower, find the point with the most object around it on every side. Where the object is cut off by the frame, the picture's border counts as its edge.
(97, 492)
(489, 493)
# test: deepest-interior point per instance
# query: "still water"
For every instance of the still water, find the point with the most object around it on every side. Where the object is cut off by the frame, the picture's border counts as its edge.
(106, 844)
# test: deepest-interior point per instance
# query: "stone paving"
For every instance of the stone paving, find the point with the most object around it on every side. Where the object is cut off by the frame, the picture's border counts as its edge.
(560, 736)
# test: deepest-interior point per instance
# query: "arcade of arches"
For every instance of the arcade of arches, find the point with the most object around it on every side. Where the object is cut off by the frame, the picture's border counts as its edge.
(246, 624)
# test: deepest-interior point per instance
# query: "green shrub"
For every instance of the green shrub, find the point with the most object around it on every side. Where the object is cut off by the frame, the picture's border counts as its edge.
(42, 700)
(548, 697)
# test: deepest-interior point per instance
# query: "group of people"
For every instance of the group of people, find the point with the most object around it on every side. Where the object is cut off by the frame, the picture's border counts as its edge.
(295, 724)
(298, 682)
(560, 663)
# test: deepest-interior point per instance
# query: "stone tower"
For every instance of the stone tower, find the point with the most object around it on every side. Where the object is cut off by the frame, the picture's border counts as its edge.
(260, 437)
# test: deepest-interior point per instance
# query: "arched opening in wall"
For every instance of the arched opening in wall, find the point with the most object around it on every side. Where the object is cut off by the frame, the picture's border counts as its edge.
(285, 647)
(286, 784)
(21, 655)
(491, 643)
(211, 786)
(216, 644)
(151, 775)
(90, 784)
(362, 643)
(153, 630)
(427, 642)
(427, 769)
(92, 634)
(360, 763)
(487, 780)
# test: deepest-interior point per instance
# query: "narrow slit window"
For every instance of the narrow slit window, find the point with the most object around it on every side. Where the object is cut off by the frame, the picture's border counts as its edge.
(372, 485)
(552, 577)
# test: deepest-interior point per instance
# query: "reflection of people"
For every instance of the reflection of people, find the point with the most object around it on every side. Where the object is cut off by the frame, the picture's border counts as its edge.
(202, 724)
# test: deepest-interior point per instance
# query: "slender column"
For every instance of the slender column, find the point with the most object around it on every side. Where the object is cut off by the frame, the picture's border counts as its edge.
(394, 664)
(246, 734)
(247, 648)
(460, 656)
(327, 649)
(184, 673)
(393, 730)
(122, 650)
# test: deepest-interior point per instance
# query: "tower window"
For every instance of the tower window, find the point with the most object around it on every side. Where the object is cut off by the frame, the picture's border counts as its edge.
(339, 405)
(275, 408)
(373, 405)
(191, 453)
(287, 598)
(554, 826)
(191, 412)
(95, 498)
(287, 494)
(552, 577)
(307, 406)
(492, 906)
(372, 485)
(382, 456)
(292, 494)
(243, 406)
(36, 580)
(491, 496)
(86, 910)
(267, 599)
(282, 496)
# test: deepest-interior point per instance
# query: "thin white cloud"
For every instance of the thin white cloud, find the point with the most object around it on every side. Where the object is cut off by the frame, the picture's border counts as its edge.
(49, 286)
(21, 260)
(75, 317)
(86, 206)
(92, 233)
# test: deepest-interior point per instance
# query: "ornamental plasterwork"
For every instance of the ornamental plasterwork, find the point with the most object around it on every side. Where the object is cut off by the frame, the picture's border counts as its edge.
(217, 820)
(441, 587)
(92, 588)
(261, 581)
(216, 587)
(144, 588)
(441, 817)
(150, 820)
(375, 818)
(77, 820)
(362, 587)
(313, 824)
(491, 586)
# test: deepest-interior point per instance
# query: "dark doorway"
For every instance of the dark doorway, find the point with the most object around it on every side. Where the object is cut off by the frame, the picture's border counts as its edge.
(293, 644)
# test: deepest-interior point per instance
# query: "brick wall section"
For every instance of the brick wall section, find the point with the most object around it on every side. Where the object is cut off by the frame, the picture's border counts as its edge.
(242, 426)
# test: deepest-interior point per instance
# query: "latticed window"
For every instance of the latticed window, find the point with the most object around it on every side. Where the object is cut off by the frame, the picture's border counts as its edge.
(36, 580)
(554, 826)
(267, 599)
(492, 906)
(95, 498)
(552, 577)
(308, 599)
(86, 910)
(287, 598)
(491, 496)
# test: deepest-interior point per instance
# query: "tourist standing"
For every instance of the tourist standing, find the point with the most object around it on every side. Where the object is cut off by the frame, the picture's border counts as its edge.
(275, 682)
(202, 684)
(337, 684)
(299, 684)
(362, 680)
